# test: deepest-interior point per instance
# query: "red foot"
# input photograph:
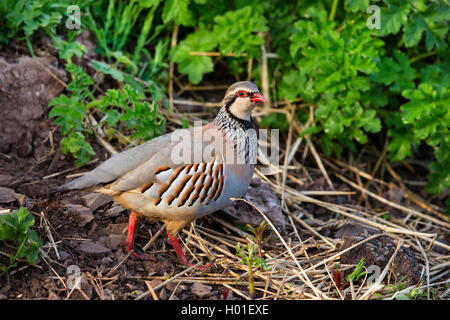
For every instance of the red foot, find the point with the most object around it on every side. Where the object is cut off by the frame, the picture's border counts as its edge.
(181, 257)
(130, 239)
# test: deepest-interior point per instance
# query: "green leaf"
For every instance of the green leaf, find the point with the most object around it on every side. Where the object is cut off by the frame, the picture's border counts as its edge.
(177, 10)
(433, 22)
(402, 296)
(422, 101)
(357, 272)
(108, 69)
(192, 65)
(357, 5)
(76, 144)
(16, 227)
(327, 145)
(112, 117)
(68, 49)
(275, 121)
(236, 31)
(394, 16)
(397, 72)
(370, 122)
(311, 130)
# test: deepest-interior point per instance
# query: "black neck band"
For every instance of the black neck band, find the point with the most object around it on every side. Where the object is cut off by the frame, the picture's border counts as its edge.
(245, 124)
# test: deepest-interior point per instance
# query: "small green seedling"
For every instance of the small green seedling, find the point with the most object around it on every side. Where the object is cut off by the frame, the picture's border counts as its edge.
(16, 233)
(413, 294)
(357, 273)
(247, 254)
(258, 232)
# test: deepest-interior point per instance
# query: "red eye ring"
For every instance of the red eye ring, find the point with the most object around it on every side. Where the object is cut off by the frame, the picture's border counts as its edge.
(241, 93)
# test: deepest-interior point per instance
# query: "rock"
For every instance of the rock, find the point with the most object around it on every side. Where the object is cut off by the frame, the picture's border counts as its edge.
(109, 295)
(93, 248)
(5, 180)
(115, 241)
(171, 286)
(395, 194)
(158, 267)
(354, 229)
(53, 296)
(261, 195)
(63, 254)
(3, 297)
(84, 214)
(154, 283)
(162, 294)
(118, 228)
(377, 252)
(87, 288)
(115, 211)
(95, 200)
(200, 290)
(107, 261)
(7, 195)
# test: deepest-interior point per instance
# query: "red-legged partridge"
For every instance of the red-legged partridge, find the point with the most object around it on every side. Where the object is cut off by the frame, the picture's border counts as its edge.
(181, 176)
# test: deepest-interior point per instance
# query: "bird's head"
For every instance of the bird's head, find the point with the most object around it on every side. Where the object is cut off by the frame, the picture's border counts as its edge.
(241, 98)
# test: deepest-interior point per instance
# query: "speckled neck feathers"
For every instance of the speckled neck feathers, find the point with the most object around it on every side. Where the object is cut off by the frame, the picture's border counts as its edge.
(240, 132)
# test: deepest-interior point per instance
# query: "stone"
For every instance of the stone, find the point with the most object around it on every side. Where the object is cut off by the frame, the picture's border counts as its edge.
(95, 200)
(83, 213)
(354, 229)
(86, 287)
(261, 195)
(115, 211)
(64, 255)
(93, 248)
(7, 195)
(119, 228)
(5, 180)
(53, 296)
(115, 241)
(200, 290)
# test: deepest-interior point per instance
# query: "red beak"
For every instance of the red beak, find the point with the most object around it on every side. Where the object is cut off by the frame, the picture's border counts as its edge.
(257, 97)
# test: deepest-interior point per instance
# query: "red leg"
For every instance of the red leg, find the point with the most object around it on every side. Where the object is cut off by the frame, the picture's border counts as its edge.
(130, 238)
(180, 254)
(178, 250)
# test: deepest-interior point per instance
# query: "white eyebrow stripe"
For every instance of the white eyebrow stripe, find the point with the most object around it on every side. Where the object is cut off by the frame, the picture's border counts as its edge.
(244, 89)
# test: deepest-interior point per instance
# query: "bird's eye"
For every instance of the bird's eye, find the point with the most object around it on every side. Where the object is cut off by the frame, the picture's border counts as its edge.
(242, 94)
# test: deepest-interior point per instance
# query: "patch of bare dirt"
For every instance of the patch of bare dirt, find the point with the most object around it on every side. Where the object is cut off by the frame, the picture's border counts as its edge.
(26, 87)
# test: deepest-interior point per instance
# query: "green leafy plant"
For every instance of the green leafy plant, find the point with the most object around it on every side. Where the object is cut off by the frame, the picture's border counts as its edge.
(115, 29)
(236, 31)
(413, 294)
(251, 253)
(247, 254)
(16, 232)
(23, 18)
(258, 233)
(130, 107)
(333, 71)
(116, 107)
(389, 83)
